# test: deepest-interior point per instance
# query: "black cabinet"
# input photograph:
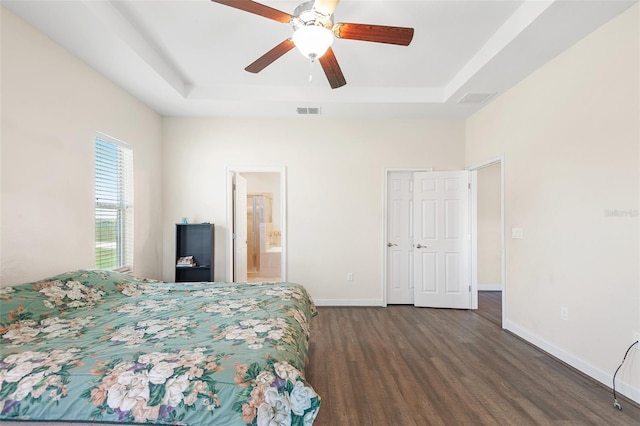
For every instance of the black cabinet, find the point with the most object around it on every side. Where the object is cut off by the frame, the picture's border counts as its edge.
(196, 240)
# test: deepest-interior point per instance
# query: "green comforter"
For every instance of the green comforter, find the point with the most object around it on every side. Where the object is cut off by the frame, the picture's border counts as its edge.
(107, 347)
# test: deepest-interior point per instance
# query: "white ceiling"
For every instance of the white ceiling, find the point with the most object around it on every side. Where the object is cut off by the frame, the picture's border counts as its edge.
(187, 57)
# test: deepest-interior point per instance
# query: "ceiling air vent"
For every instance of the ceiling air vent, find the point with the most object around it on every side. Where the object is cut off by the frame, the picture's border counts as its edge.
(308, 110)
(475, 98)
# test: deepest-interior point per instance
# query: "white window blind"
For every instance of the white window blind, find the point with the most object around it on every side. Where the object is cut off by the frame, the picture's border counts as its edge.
(114, 204)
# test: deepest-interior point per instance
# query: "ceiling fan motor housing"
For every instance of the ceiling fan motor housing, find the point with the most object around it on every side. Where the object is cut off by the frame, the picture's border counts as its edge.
(305, 15)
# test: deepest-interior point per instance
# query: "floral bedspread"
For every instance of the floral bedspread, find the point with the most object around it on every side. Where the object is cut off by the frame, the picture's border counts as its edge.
(107, 347)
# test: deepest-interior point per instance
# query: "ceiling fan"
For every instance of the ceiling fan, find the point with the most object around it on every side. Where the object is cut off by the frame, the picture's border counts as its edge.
(314, 31)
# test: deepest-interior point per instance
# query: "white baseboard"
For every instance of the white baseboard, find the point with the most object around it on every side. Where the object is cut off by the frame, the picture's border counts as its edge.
(489, 287)
(348, 302)
(603, 377)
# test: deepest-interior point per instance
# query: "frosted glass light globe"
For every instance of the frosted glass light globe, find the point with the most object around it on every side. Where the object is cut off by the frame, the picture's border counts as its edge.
(312, 40)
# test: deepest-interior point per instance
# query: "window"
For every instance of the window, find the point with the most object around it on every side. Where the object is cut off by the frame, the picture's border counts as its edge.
(114, 204)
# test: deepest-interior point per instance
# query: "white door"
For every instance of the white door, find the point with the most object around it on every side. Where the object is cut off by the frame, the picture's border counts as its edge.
(240, 229)
(441, 266)
(400, 237)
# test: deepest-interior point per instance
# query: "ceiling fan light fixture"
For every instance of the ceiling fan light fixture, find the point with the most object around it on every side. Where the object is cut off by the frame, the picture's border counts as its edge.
(312, 40)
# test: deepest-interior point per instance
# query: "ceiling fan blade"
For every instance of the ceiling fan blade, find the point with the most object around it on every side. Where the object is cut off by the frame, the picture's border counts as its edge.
(325, 7)
(375, 33)
(258, 9)
(268, 58)
(332, 69)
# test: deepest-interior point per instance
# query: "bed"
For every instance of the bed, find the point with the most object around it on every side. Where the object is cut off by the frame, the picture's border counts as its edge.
(96, 346)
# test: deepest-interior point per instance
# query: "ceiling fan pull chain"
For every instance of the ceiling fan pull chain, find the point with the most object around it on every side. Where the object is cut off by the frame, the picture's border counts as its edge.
(311, 71)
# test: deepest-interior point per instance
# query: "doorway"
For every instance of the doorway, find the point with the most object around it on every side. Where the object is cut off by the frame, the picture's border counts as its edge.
(488, 236)
(264, 247)
(488, 229)
(404, 282)
(256, 214)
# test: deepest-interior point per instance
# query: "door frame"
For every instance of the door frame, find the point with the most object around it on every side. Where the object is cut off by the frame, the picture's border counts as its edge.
(230, 171)
(474, 228)
(385, 218)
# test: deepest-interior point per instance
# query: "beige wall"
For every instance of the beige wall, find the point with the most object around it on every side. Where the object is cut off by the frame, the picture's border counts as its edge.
(570, 136)
(489, 232)
(52, 106)
(334, 186)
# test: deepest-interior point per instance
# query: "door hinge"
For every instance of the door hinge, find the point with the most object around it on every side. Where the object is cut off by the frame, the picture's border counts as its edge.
(469, 289)
(469, 185)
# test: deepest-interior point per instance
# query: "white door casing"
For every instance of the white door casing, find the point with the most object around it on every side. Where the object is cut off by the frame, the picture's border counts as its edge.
(442, 240)
(399, 239)
(240, 228)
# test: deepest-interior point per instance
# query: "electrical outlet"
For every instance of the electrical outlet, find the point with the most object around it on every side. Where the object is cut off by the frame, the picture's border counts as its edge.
(517, 233)
(349, 276)
(564, 313)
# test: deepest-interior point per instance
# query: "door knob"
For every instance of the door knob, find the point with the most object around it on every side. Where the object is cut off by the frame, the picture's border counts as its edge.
(420, 246)
(391, 244)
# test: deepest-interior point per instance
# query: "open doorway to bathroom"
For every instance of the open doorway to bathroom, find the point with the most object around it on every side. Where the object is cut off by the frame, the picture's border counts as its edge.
(258, 219)
(264, 238)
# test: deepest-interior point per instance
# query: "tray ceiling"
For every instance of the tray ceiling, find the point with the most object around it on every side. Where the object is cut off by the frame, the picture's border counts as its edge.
(187, 57)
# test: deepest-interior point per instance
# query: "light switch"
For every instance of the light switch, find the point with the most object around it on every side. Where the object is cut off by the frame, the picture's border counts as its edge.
(516, 233)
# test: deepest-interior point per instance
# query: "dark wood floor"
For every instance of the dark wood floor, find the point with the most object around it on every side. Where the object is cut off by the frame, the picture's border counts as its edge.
(403, 365)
